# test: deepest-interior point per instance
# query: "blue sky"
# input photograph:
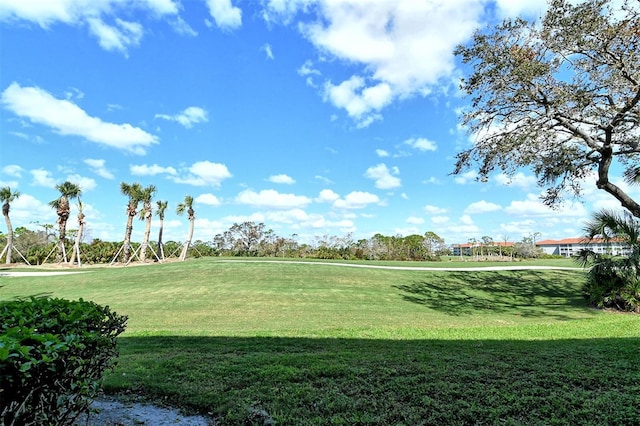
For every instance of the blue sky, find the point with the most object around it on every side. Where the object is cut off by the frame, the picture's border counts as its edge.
(315, 117)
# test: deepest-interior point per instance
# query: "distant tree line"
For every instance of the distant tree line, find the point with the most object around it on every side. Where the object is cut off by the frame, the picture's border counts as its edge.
(251, 239)
(256, 240)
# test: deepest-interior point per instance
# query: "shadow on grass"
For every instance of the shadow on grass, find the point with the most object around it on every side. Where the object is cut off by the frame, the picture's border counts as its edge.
(303, 381)
(525, 293)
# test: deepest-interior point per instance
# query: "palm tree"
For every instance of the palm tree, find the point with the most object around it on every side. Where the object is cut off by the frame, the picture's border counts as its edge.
(7, 197)
(614, 278)
(134, 192)
(187, 206)
(146, 214)
(161, 206)
(68, 191)
(76, 246)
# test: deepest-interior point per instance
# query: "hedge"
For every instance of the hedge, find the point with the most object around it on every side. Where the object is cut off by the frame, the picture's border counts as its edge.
(53, 353)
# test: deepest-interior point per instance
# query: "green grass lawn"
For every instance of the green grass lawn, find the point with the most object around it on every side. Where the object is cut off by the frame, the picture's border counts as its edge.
(321, 344)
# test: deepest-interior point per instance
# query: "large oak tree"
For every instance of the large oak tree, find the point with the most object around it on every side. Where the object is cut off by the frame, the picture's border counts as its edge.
(560, 96)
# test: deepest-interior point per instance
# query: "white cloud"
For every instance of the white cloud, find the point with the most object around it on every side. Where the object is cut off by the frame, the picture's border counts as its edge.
(323, 179)
(27, 209)
(422, 144)
(295, 215)
(118, 37)
(384, 177)
(43, 177)
(319, 222)
(439, 220)
(13, 170)
(27, 137)
(466, 220)
(85, 183)
(382, 153)
(282, 178)
(429, 209)
(519, 180)
(415, 220)
(327, 196)
(10, 183)
(208, 199)
(406, 231)
(518, 228)
(181, 27)
(204, 173)
(514, 8)
(284, 10)
(404, 47)
(68, 119)
(190, 116)
(226, 15)
(270, 198)
(467, 177)
(356, 200)
(482, 206)
(533, 206)
(307, 70)
(362, 103)
(154, 169)
(266, 48)
(98, 168)
(432, 181)
(92, 14)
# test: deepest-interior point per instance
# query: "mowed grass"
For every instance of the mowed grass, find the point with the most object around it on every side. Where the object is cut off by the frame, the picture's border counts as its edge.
(293, 343)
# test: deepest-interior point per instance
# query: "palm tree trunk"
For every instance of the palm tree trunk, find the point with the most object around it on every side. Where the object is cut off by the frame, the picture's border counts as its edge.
(160, 248)
(126, 251)
(63, 216)
(145, 239)
(9, 247)
(76, 246)
(183, 255)
(62, 226)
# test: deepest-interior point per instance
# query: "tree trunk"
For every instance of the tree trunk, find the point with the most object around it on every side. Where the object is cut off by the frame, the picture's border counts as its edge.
(160, 248)
(147, 232)
(183, 255)
(63, 216)
(76, 246)
(126, 250)
(9, 234)
(603, 183)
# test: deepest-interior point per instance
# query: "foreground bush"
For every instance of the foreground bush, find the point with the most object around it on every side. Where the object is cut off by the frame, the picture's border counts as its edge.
(53, 353)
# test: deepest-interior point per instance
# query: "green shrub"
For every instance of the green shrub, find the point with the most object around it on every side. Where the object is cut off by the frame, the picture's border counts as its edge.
(613, 281)
(53, 353)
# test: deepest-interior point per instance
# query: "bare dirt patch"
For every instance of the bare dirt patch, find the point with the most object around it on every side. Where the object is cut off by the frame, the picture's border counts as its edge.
(111, 411)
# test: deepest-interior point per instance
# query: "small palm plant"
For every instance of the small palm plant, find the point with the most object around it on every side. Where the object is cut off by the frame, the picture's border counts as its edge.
(613, 280)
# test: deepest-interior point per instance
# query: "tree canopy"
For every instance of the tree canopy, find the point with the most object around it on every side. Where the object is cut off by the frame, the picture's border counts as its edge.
(560, 96)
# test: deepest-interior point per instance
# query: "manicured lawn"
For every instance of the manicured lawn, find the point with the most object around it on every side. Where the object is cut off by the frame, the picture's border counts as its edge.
(321, 344)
